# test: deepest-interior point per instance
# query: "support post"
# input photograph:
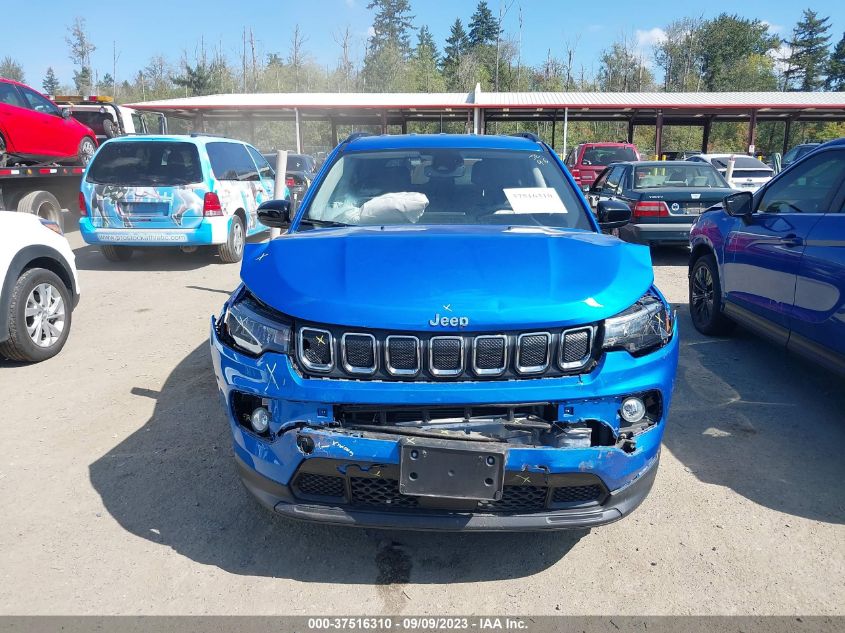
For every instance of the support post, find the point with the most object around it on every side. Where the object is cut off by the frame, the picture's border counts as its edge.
(476, 121)
(658, 135)
(752, 133)
(279, 186)
(787, 132)
(251, 124)
(298, 131)
(334, 133)
(404, 126)
(565, 130)
(631, 126)
(554, 121)
(705, 135)
(384, 121)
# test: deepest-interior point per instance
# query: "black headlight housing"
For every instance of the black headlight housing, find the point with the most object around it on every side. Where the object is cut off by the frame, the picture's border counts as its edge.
(644, 327)
(252, 327)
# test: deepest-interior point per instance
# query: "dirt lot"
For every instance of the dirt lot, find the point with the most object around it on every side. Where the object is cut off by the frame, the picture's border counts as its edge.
(118, 494)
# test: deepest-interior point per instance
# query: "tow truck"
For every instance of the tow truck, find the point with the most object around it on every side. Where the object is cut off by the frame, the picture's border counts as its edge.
(108, 119)
(47, 189)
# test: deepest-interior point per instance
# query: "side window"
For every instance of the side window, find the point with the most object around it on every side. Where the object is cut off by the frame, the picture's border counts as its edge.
(807, 188)
(230, 161)
(138, 123)
(10, 95)
(613, 178)
(570, 158)
(264, 169)
(39, 103)
(601, 180)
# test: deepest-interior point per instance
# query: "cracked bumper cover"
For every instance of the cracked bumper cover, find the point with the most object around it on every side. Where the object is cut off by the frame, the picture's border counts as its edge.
(267, 468)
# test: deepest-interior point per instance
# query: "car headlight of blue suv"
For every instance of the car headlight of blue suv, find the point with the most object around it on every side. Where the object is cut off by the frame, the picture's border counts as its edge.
(256, 329)
(643, 327)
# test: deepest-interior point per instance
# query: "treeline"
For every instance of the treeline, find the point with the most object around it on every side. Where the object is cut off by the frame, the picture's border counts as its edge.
(725, 53)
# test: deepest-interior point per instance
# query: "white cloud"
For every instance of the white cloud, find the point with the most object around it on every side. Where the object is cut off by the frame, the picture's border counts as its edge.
(651, 37)
(371, 31)
(773, 28)
(779, 55)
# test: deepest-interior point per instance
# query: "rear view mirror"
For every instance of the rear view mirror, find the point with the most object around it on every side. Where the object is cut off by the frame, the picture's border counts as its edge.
(274, 214)
(739, 204)
(612, 214)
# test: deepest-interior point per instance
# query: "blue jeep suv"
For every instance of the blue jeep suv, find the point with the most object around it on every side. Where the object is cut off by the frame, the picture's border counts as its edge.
(443, 338)
(774, 261)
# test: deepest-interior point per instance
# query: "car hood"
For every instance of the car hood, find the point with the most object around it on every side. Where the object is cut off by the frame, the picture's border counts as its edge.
(401, 278)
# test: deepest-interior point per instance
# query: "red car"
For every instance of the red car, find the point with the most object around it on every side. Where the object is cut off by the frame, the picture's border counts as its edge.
(586, 161)
(34, 129)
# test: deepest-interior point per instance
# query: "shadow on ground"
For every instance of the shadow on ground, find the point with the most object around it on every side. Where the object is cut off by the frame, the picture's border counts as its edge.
(173, 482)
(767, 424)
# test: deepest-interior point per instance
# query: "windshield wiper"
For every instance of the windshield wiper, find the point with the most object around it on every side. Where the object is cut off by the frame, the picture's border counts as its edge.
(315, 222)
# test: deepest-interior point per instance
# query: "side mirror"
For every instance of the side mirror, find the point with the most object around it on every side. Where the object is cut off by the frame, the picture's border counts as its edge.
(274, 214)
(612, 214)
(739, 204)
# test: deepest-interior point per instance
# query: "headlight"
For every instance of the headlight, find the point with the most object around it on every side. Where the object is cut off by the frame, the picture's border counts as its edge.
(644, 326)
(255, 328)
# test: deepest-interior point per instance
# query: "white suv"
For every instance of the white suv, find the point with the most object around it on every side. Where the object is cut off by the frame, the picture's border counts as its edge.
(39, 290)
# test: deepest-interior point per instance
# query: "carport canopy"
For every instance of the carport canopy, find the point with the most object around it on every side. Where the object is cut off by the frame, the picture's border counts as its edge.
(477, 108)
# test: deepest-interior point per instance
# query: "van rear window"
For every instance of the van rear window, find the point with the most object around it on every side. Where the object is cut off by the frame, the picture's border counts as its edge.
(144, 163)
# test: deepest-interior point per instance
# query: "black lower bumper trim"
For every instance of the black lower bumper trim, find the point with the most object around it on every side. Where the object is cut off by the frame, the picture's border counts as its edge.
(280, 499)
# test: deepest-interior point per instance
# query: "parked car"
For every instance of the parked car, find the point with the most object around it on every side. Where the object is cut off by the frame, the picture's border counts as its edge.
(299, 173)
(665, 197)
(40, 287)
(682, 154)
(413, 347)
(587, 160)
(749, 174)
(797, 152)
(33, 129)
(774, 261)
(165, 190)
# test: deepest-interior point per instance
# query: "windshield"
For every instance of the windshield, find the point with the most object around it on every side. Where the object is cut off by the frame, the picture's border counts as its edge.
(607, 155)
(741, 162)
(692, 175)
(140, 163)
(447, 186)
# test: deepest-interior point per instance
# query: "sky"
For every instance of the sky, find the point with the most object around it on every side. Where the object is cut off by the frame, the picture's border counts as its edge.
(34, 33)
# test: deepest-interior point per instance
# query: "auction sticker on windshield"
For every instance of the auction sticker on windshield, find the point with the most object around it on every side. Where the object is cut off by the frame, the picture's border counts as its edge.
(535, 200)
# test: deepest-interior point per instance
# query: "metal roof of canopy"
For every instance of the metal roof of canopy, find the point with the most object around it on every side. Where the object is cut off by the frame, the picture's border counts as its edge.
(679, 107)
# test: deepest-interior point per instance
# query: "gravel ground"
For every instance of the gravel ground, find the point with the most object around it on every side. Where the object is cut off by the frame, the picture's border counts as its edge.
(118, 493)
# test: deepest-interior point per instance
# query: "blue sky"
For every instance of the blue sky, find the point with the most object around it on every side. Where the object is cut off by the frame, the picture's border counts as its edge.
(34, 33)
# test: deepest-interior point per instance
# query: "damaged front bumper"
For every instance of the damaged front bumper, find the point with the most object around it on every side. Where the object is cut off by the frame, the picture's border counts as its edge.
(316, 464)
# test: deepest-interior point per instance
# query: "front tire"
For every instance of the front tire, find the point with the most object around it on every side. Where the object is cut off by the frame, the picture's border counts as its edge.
(705, 298)
(232, 251)
(116, 253)
(86, 150)
(39, 317)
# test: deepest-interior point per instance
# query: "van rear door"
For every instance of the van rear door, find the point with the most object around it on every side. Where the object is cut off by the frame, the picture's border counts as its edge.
(150, 184)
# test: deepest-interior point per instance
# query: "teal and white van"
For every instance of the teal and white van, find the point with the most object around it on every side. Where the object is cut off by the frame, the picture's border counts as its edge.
(167, 190)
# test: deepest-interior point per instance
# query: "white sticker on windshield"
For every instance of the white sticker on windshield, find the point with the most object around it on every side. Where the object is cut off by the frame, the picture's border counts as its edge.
(535, 200)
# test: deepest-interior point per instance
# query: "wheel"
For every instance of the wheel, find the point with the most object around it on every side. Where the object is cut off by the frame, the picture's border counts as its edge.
(86, 150)
(116, 253)
(233, 249)
(39, 317)
(705, 298)
(43, 204)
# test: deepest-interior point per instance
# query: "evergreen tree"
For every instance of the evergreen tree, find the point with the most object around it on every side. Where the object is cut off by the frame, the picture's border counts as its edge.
(457, 44)
(11, 69)
(727, 40)
(50, 84)
(392, 25)
(426, 60)
(197, 80)
(483, 26)
(836, 67)
(809, 52)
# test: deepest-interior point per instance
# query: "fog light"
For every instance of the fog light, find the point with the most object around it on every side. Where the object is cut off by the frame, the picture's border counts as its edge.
(633, 410)
(260, 419)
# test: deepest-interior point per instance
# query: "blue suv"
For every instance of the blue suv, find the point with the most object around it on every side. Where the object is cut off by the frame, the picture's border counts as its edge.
(443, 338)
(774, 261)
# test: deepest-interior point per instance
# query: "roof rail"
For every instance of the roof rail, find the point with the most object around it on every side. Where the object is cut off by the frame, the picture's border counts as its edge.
(198, 134)
(529, 135)
(356, 135)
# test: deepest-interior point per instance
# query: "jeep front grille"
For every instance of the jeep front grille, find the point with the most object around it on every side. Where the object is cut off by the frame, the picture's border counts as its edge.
(334, 352)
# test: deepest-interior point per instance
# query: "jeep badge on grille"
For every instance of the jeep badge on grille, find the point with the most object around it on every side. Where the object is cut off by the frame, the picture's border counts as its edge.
(445, 320)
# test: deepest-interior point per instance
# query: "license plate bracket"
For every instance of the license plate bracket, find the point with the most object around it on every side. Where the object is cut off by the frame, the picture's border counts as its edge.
(451, 469)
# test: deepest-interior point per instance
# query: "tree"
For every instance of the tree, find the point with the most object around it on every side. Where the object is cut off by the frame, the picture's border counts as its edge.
(836, 67)
(808, 52)
(457, 45)
(725, 41)
(345, 66)
(50, 84)
(623, 70)
(81, 48)
(483, 26)
(679, 55)
(296, 57)
(425, 63)
(392, 25)
(11, 69)
(197, 80)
